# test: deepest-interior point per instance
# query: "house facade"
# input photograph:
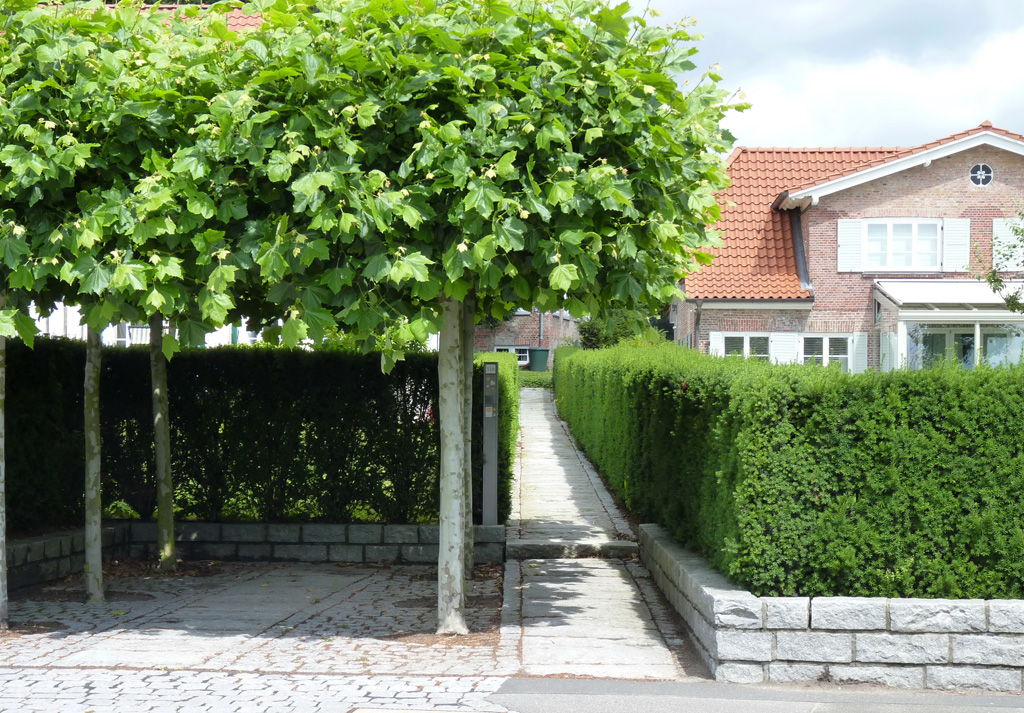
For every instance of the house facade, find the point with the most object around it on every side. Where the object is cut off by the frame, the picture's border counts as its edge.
(864, 257)
(527, 330)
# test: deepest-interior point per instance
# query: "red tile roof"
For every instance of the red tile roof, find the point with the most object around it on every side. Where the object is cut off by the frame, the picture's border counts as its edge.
(757, 260)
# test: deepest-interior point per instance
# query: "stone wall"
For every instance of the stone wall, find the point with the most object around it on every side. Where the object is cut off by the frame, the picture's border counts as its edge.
(906, 643)
(48, 557)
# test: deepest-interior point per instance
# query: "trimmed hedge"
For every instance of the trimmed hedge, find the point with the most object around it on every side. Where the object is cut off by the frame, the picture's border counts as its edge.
(806, 481)
(256, 433)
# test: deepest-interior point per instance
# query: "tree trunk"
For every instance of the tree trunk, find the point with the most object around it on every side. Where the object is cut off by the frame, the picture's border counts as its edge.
(93, 470)
(3, 476)
(468, 316)
(451, 586)
(168, 559)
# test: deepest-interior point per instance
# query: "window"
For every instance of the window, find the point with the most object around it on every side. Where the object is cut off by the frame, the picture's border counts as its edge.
(827, 350)
(902, 245)
(747, 346)
(522, 353)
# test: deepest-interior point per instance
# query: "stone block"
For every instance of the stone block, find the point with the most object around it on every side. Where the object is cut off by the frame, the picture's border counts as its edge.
(430, 534)
(255, 552)
(283, 532)
(935, 616)
(243, 532)
(17, 554)
(108, 537)
(401, 534)
(787, 612)
(733, 645)
(739, 673)
(739, 610)
(65, 545)
(795, 672)
(51, 548)
(345, 553)
(327, 533)
(1006, 616)
(488, 553)
(226, 551)
(301, 553)
(143, 532)
(365, 534)
(420, 554)
(36, 551)
(892, 676)
(849, 613)
(48, 570)
(992, 649)
(77, 562)
(64, 566)
(139, 550)
(381, 553)
(489, 533)
(903, 648)
(197, 532)
(948, 678)
(813, 646)
(78, 542)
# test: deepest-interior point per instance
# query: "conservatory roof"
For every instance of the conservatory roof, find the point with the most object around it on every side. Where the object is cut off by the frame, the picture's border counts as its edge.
(938, 294)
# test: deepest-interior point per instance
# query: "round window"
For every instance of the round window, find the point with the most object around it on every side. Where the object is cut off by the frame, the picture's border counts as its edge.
(981, 174)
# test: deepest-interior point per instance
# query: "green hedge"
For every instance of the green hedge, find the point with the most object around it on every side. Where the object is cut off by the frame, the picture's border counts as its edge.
(805, 481)
(257, 434)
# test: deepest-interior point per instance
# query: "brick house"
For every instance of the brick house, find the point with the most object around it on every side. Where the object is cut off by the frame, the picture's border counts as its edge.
(525, 330)
(867, 257)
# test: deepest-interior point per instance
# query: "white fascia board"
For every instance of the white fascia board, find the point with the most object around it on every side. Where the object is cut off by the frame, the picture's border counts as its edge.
(968, 316)
(809, 196)
(929, 291)
(759, 304)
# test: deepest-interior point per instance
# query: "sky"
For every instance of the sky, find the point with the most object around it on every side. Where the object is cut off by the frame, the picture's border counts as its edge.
(864, 72)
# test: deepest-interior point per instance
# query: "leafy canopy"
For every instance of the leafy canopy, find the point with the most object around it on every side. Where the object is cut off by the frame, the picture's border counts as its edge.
(350, 163)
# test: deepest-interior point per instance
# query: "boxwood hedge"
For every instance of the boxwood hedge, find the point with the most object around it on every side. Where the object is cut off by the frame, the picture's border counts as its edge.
(797, 480)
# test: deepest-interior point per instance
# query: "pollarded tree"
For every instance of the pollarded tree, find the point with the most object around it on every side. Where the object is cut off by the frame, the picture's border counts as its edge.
(521, 154)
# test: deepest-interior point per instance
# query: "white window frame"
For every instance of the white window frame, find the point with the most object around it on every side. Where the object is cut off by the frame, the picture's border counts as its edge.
(521, 351)
(826, 339)
(915, 266)
(746, 343)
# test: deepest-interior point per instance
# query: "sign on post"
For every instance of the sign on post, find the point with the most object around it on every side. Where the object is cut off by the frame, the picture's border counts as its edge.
(490, 444)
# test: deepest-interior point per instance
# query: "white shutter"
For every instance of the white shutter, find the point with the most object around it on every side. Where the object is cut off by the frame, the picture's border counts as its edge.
(956, 244)
(889, 351)
(849, 234)
(716, 344)
(859, 353)
(782, 347)
(1007, 250)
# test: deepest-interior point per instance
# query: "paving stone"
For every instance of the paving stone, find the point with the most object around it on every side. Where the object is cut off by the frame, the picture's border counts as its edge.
(849, 613)
(903, 648)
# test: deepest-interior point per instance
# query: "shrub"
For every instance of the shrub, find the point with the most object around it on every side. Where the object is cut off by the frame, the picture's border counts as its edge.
(806, 481)
(257, 434)
(535, 379)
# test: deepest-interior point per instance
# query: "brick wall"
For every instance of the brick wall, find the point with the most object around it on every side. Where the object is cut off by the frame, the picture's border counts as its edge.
(524, 331)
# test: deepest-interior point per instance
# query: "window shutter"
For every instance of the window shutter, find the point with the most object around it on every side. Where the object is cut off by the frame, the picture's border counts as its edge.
(859, 353)
(716, 344)
(1007, 251)
(849, 246)
(889, 351)
(956, 244)
(783, 347)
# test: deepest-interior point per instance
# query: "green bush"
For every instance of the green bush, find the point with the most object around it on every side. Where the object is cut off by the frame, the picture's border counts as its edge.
(806, 481)
(257, 434)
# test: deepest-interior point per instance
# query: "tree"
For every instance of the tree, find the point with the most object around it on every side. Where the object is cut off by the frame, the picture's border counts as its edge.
(1007, 255)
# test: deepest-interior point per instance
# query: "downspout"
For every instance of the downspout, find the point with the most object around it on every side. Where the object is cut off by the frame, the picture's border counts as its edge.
(541, 342)
(698, 304)
(798, 250)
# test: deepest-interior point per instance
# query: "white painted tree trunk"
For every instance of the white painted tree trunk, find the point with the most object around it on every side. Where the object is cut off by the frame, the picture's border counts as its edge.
(168, 558)
(451, 585)
(468, 317)
(93, 470)
(3, 476)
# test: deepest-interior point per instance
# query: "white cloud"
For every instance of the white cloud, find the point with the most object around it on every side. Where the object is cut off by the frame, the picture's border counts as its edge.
(884, 99)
